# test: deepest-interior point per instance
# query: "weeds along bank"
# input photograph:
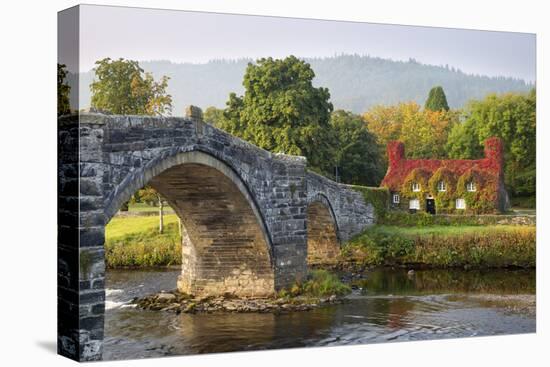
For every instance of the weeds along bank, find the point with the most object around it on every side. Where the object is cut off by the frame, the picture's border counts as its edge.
(469, 246)
(402, 239)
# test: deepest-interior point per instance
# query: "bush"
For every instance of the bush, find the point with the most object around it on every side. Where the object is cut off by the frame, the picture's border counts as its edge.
(319, 283)
(379, 197)
(524, 201)
(498, 246)
(423, 219)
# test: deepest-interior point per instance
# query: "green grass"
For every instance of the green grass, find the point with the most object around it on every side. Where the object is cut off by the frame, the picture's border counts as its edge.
(136, 242)
(445, 246)
(446, 230)
(123, 226)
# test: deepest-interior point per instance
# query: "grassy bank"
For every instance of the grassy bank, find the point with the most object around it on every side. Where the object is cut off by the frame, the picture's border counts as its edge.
(444, 246)
(136, 242)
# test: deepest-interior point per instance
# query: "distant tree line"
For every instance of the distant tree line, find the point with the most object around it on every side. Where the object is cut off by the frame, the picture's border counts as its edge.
(356, 82)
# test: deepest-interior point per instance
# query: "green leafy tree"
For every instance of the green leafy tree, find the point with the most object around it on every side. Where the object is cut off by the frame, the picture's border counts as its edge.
(437, 101)
(511, 117)
(122, 87)
(282, 111)
(63, 90)
(424, 132)
(357, 154)
(213, 116)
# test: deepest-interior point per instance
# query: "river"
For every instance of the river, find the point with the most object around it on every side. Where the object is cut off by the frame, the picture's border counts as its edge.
(390, 305)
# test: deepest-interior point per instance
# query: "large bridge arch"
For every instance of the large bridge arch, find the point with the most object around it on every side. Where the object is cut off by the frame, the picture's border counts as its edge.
(226, 246)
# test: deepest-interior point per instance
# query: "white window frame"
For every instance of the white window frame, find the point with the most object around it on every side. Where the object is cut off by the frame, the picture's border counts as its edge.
(462, 204)
(471, 186)
(414, 204)
(441, 186)
(415, 186)
(396, 199)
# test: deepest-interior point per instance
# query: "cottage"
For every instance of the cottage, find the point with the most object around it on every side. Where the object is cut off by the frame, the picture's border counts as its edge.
(449, 185)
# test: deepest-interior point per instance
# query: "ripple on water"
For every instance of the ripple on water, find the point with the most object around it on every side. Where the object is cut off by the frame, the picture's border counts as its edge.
(133, 333)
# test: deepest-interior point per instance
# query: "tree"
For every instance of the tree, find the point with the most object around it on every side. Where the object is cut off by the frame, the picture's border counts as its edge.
(152, 197)
(424, 132)
(213, 116)
(437, 101)
(511, 117)
(122, 87)
(357, 154)
(282, 112)
(386, 121)
(63, 90)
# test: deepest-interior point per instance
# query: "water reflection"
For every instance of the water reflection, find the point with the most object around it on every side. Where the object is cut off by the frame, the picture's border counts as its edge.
(391, 307)
(399, 281)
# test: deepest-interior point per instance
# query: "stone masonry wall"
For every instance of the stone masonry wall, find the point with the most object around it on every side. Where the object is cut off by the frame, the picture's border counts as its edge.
(322, 240)
(104, 159)
(352, 214)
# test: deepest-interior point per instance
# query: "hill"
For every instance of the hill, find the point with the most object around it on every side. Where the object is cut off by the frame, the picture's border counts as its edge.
(355, 82)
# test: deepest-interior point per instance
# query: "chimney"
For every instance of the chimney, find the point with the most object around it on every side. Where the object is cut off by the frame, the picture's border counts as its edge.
(396, 153)
(494, 150)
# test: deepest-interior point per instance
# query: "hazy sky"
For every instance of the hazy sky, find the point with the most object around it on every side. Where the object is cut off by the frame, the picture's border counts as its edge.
(147, 34)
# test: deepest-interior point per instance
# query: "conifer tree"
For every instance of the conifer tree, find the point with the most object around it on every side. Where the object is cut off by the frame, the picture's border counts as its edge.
(437, 101)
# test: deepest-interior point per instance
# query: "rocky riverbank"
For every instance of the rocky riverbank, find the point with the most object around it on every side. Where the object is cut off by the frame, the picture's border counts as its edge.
(177, 302)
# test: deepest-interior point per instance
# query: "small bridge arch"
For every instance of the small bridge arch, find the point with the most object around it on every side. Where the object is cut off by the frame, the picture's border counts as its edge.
(323, 238)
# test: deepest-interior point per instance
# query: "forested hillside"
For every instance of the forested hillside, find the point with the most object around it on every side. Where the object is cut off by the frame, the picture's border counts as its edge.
(355, 82)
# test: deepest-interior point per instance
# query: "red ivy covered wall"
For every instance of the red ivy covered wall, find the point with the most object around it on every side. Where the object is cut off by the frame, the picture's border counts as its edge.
(487, 173)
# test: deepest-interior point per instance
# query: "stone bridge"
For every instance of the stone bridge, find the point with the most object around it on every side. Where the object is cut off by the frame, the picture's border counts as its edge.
(252, 221)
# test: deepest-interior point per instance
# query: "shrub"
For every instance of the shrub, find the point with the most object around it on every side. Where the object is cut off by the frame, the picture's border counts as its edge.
(379, 197)
(423, 219)
(319, 283)
(497, 246)
(524, 201)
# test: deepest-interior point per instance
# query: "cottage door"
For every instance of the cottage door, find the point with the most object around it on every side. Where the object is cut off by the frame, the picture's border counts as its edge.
(430, 205)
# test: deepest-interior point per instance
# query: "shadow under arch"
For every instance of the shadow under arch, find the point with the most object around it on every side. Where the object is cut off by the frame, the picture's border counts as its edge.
(226, 245)
(323, 235)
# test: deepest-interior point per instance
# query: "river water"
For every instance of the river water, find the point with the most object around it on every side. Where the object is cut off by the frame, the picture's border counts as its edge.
(389, 305)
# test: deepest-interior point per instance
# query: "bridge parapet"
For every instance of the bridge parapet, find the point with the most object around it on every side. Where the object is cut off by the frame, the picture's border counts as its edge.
(352, 214)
